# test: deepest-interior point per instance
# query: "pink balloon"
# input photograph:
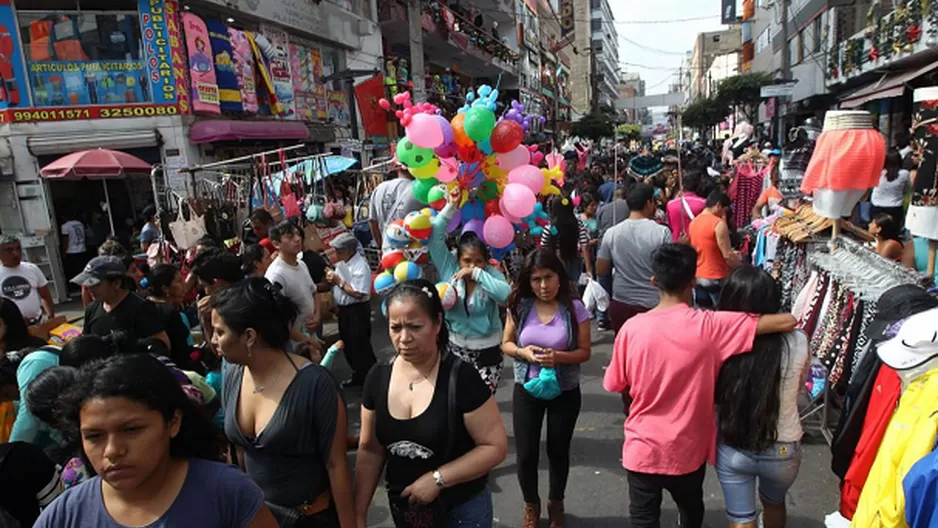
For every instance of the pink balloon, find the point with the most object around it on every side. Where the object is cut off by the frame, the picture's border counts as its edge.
(498, 231)
(518, 200)
(424, 131)
(511, 218)
(449, 170)
(447, 150)
(529, 176)
(516, 158)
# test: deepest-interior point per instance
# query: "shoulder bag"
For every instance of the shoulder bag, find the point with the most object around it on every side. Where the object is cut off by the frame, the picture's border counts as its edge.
(186, 233)
(406, 514)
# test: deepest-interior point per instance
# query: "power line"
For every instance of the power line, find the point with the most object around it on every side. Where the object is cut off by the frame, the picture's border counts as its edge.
(489, 10)
(654, 50)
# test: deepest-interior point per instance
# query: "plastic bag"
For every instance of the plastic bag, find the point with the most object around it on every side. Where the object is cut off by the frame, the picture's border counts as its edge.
(545, 386)
(595, 297)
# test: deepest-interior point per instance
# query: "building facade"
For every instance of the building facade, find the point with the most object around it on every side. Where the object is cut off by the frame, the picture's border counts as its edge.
(631, 85)
(166, 84)
(707, 47)
(605, 54)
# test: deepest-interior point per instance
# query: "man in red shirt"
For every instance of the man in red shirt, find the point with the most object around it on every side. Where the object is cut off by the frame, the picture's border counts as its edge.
(670, 432)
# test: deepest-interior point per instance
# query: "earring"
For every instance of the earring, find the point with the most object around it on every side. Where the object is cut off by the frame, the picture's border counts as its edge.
(250, 352)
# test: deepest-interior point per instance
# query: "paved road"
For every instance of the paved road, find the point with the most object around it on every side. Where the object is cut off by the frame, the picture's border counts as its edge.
(597, 492)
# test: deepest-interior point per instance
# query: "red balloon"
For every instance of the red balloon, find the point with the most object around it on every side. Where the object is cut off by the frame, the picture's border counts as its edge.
(491, 208)
(469, 154)
(506, 136)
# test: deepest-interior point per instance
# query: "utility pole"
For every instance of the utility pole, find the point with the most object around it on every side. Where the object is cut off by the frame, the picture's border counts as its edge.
(417, 70)
(786, 73)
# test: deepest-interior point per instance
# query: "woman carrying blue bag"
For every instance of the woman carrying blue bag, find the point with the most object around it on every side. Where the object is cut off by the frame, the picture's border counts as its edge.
(475, 326)
(547, 332)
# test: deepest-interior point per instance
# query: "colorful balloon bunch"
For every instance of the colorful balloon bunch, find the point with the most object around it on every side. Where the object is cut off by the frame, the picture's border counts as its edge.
(408, 240)
(480, 158)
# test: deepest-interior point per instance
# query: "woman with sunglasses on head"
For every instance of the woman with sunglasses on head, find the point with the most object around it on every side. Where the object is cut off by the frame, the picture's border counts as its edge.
(546, 328)
(431, 420)
(282, 412)
(156, 457)
(474, 321)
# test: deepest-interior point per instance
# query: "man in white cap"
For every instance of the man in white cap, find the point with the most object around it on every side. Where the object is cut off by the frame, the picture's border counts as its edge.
(24, 283)
(351, 288)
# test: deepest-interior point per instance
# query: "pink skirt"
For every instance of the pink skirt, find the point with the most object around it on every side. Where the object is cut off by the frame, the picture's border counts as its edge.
(843, 160)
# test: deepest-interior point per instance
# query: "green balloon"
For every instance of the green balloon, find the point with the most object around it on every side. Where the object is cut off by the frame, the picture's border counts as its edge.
(422, 189)
(480, 122)
(413, 156)
(436, 193)
(488, 190)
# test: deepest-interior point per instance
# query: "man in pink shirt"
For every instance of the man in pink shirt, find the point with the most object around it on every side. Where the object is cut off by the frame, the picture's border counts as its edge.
(683, 209)
(670, 432)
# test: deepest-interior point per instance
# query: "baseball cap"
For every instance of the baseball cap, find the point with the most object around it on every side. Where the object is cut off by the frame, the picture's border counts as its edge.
(99, 269)
(897, 303)
(344, 241)
(915, 343)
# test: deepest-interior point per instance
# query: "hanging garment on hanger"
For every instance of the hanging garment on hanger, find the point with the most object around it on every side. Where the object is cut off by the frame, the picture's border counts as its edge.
(244, 68)
(229, 93)
(908, 438)
(921, 490)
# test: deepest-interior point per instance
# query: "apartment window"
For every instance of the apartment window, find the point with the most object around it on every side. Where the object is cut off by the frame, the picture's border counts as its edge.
(596, 4)
(596, 26)
(763, 41)
(818, 34)
(597, 46)
(799, 48)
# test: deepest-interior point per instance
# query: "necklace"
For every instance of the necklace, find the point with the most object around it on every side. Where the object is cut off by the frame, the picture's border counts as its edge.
(262, 388)
(411, 383)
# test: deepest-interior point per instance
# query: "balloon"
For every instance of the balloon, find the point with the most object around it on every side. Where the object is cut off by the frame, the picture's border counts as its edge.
(448, 294)
(459, 131)
(422, 188)
(446, 150)
(506, 136)
(479, 123)
(449, 170)
(413, 156)
(473, 209)
(396, 234)
(516, 158)
(470, 154)
(427, 171)
(454, 221)
(529, 176)
(416, 253)
(406, 271)
(418, 225)
(511, 218)
(491, 208)
(424, 131)
(437, 197)
(384, 281)
(518, 200)
(445, 128)
(488, 190)
(475, 225)
(498, 231)
(391, 258)
(428, 211)
(485, 146)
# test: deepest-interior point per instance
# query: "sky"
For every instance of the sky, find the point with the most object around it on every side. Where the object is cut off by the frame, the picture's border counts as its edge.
(675, 37)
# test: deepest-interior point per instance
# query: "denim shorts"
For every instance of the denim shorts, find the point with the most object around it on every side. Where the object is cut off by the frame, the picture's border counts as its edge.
(477, 512)
(776, 469)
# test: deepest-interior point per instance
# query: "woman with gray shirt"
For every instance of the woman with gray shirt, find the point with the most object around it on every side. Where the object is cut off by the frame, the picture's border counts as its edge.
(282, 412)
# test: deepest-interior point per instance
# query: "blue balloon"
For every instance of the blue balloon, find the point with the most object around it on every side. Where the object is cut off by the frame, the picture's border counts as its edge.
(484, 90)
(485, 146)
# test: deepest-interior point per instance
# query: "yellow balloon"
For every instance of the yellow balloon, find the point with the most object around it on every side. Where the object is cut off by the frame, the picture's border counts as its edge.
(427, 171)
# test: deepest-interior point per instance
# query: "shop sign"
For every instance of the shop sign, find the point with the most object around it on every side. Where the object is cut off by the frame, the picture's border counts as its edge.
(80, 83)
(205, 96)
(178, 60)
(13, 92)
(157, 51)
(567, 22)
(29, 115)
(338, 107)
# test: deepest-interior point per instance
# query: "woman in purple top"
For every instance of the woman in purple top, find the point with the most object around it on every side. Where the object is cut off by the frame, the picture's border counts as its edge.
(546, 328)
(155, 454)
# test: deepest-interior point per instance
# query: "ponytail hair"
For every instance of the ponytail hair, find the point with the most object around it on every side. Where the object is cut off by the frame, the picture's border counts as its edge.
(256, 303)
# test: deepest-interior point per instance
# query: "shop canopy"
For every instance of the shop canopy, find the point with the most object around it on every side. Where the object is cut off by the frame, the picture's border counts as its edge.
(96, 164)
(890, 85)
(211, 130)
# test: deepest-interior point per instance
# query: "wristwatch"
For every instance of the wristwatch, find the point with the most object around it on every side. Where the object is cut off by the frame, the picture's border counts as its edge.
(438, 477)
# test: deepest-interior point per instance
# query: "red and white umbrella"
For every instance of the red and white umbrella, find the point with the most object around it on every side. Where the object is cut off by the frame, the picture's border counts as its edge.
(96, 164)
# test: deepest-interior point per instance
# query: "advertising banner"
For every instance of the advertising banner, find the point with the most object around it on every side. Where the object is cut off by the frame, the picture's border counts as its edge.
(338, 107)
(728, 11)
(567, 21)
(277, 51)
(13, 92)
(244, 68)
(81, 83)
(374, 118)
(306, 81)
(204, 93)
(157, 53)
(178, 55)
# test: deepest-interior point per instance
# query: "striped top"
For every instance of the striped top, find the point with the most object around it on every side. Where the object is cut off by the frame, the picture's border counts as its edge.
(583, 238)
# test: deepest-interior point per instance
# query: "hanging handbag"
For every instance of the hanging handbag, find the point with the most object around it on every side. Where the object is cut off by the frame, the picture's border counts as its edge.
(291, 206)
(406, 514)
(186, 233)
(270, 201)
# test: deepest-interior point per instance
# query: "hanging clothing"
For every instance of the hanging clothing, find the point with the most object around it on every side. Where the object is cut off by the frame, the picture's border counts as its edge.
(745, 191)
(921, 493)
(909, 437)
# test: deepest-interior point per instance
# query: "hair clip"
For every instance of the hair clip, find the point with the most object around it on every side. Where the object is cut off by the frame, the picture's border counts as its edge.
(427, 291)
(565, 201)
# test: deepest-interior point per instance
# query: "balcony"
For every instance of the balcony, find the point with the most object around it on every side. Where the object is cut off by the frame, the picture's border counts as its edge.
(890, 40)
(450, 40)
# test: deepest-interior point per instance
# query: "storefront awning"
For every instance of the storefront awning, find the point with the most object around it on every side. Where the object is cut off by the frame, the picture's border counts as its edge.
(45, 145)
(889, 85)
(224, 130)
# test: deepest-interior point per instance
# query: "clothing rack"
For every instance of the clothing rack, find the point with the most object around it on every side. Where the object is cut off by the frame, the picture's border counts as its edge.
(249, 157)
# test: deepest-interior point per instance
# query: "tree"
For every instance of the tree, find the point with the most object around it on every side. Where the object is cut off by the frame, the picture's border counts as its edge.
(594, 126)
(630, 132)
(742, 92)
(704, 113)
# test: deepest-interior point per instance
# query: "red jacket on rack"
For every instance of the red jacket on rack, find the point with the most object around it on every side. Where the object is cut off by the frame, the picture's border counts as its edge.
(883, 401)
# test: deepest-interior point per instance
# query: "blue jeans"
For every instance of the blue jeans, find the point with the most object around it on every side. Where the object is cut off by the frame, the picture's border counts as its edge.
(476, 512)
(776, 468)
(707, 293)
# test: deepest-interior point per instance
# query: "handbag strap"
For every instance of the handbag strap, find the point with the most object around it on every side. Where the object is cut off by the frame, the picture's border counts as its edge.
(452, 413)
